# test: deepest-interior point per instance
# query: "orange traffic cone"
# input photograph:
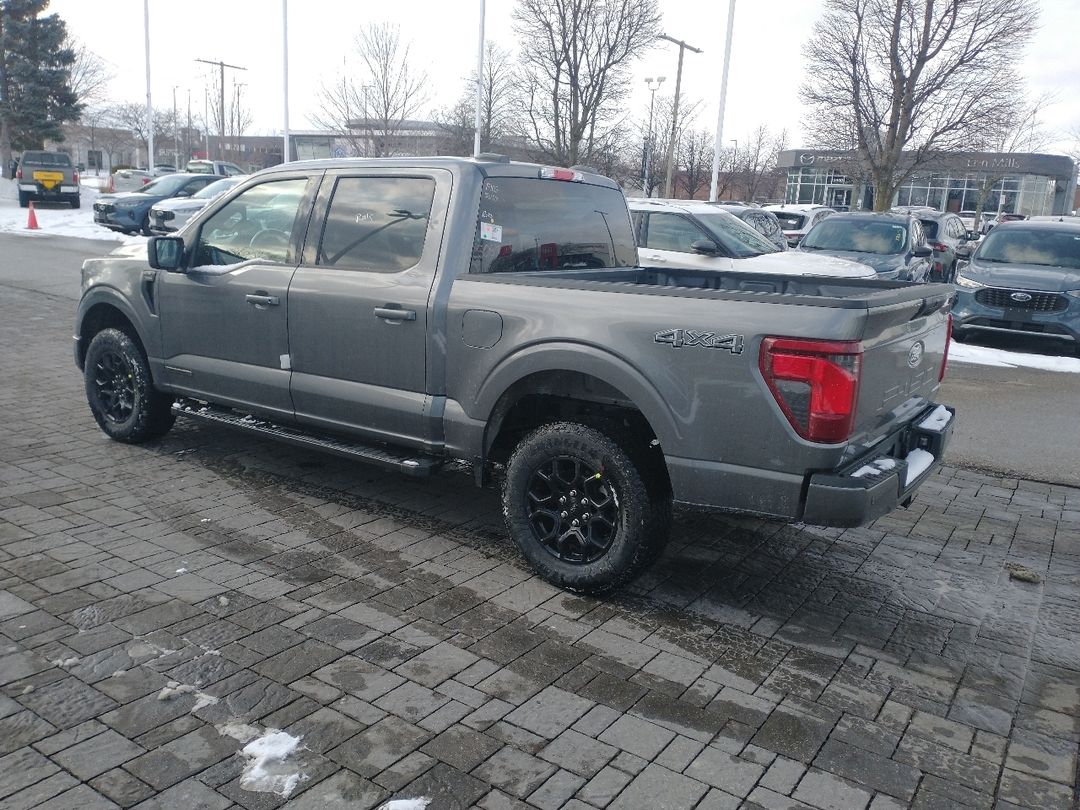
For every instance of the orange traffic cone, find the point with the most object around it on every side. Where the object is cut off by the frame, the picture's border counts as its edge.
(31, 219)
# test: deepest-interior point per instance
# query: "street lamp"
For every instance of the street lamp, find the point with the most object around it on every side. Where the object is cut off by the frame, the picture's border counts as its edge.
(648, 138)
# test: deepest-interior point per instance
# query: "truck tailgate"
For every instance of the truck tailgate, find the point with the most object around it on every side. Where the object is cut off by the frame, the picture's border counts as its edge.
(904, 347)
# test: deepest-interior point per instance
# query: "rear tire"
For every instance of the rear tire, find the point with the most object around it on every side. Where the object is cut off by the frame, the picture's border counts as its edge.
(120, 390)
(76, 202)
(566, 472)
(24, 199)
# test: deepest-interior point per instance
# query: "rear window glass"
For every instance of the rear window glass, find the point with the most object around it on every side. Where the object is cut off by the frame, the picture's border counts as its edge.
(858, 235)
(790, 221)
(47, 159)
(929, 228)
(1028, 246)
(527, 224)
(377, 223)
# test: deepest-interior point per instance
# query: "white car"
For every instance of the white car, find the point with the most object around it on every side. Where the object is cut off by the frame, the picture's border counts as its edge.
(698, 235)
(797, 220)
(169, 216)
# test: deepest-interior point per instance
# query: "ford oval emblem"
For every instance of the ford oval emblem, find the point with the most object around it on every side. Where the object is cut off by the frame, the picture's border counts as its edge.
(1022, 297)
(915, 353)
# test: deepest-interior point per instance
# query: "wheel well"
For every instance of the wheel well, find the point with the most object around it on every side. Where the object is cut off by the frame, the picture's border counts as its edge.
(567, 395)
(104, 316)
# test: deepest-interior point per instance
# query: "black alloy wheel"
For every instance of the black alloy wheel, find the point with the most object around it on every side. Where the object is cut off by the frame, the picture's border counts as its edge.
(573, 511)
(120, 389)
(114, 386)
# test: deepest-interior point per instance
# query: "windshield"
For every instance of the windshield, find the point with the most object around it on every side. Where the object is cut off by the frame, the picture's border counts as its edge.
(858, 235)
(46, 159)
(789, 220)
(215, 188)
(734, 235)
(1041, 247)
(165, 186)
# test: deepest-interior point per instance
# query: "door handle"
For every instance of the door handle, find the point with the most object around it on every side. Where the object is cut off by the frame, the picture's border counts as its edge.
(392, 314)
(263, 300)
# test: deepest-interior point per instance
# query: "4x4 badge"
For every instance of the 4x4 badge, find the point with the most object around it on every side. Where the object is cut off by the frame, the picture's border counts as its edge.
(679, 338)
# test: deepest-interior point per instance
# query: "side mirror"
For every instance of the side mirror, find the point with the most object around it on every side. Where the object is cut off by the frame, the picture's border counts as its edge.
(183, 193)
(704, 247)
(922, 252)
(165, 252)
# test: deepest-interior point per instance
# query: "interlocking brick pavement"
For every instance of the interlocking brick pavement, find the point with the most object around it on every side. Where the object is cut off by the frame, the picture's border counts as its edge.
(390, 626)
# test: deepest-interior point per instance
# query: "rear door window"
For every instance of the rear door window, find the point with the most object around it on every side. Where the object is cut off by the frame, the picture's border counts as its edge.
(527, 224)
(377, 223)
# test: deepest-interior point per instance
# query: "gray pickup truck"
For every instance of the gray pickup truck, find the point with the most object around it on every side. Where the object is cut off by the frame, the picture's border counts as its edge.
(47, 176)
(404, 312)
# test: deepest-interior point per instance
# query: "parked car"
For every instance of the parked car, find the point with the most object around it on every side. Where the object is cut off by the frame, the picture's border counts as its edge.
(218, 167)
(762, 221)
(169, 216)
(686, 233)
(162, 169)
(968, 218)
(128, 180)
(416, 310)
(1023, 279)
(945, 233)
(129, 212)
(797, 220)
(892, 244)
(47, 176)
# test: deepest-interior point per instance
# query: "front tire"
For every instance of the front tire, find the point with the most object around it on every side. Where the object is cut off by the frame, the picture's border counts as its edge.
(120, 390)
(585, 514)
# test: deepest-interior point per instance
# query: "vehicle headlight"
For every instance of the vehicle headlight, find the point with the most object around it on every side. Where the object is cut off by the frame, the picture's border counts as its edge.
(1073, 293)
(970, 283)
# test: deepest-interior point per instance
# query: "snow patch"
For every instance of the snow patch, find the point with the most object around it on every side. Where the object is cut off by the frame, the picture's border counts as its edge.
(55, 219)
(173, 689)
(405, 804)
(222, 600)
(267, 770)
(938, 419)
(65, 662)
(918, 462)
(985, 356)
(181, 570)
(238, 731)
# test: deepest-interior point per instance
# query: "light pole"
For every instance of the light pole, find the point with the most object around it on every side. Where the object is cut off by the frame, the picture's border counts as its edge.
(149, 107)
(675, 110)
(648, 138)
(175, 132)
(479, 84)
(285, 152)
(723, 102)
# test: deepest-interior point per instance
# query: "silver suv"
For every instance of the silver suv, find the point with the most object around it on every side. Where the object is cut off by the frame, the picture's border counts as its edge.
(222, 167)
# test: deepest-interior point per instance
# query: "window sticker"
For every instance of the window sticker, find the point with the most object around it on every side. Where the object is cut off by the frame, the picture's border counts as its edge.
(490, 233)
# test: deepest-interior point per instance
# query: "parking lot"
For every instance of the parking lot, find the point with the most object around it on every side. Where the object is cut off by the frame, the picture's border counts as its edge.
(163, 605)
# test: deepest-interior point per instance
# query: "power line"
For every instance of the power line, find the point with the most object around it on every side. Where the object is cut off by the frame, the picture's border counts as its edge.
(221, 103)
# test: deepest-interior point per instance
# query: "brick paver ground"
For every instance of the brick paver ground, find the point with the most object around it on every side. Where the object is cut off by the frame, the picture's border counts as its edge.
(391, 627)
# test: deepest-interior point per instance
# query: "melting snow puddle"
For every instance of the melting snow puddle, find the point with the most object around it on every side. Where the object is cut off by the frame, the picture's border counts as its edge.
(266, 770)
(405, 804)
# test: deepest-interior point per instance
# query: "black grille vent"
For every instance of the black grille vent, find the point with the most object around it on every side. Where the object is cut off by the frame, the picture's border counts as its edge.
(1036, 301)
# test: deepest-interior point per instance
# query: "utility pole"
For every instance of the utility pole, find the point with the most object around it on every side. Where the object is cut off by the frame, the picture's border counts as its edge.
(221, 103)
(175, 132)
(648, 139)
(187, 132)
(675, 110)
(285, 152)
(149, 107)
(479, 84)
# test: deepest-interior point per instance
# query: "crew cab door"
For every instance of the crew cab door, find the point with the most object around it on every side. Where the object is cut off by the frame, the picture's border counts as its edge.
(358, 304)
(223, 320)
(664, 240)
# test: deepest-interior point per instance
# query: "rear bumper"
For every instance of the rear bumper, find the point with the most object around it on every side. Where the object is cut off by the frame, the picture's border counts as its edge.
(874, 486)
(855, 495)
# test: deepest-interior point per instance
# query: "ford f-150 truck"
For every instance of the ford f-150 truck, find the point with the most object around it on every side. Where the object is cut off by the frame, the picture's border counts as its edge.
(403, 312)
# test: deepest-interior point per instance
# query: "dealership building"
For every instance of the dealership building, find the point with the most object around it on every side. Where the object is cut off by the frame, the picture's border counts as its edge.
(1030, 184)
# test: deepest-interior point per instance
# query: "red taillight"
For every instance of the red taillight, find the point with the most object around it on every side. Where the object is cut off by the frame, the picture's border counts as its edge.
(815, 383)
(549, 173)
(938, 246)
(945, 354)
(18, 173)
(145, 181)
(75, 176)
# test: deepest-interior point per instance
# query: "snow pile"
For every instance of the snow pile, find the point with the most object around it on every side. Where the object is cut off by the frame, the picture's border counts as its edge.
(405, 804)
(266, 770)
(8, 189)
(938, 419)
(985, 356)
(56, 219)
(918, 462)
(875, 468)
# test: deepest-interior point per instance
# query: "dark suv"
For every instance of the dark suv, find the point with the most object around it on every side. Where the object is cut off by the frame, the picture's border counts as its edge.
(945, 232)
(892, 243)
(47, 176)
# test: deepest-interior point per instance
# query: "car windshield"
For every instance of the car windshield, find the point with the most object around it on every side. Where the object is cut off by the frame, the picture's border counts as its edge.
(789, 220)
(858, 235)
(734, 235)
(1043, 247)
(215, 188)
(165, 186)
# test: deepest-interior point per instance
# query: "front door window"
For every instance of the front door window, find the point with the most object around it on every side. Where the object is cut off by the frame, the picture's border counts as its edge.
(258, 224)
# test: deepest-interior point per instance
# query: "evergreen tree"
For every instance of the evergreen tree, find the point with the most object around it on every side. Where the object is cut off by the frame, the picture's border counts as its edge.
(35, 77)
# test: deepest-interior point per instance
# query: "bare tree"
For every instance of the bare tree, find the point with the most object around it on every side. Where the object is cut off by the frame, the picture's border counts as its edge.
(371, 114)
(90, 74)
(657, 143)
(458, 121)
(1021, 132)
(694, 156)
(904, 80)
(574, 71)
(131, 117)
(757, 158)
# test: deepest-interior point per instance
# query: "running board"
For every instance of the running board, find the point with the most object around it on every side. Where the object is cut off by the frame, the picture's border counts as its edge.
(414, 466)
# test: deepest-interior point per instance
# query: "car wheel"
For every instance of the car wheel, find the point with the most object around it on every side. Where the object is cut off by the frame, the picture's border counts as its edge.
(120, 390)
(24, 199)
(144, 229)
(585, 514)
(76, 202)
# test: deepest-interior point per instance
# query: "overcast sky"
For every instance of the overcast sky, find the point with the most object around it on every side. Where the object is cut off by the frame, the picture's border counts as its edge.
(766, 62)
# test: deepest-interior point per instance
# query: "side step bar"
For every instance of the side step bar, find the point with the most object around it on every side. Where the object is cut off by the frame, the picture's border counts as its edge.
(412, 465)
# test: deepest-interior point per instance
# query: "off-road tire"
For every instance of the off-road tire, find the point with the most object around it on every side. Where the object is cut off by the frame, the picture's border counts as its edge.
(120, 390)
(76, 202)
(640, 494)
